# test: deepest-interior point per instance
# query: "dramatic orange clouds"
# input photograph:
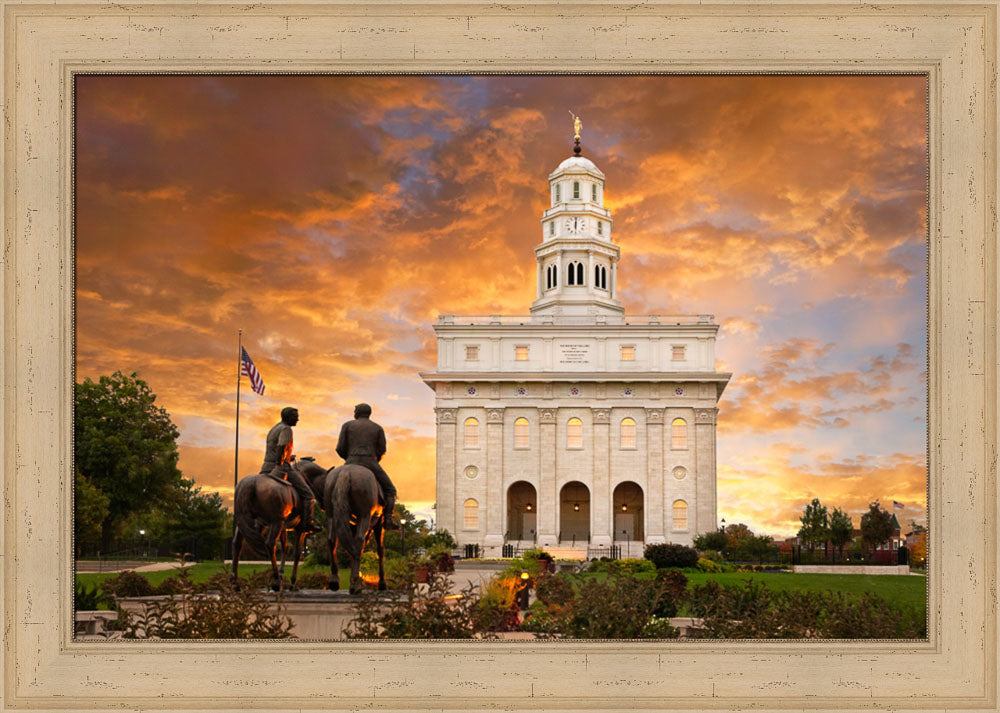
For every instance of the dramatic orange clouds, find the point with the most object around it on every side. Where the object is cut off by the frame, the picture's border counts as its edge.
(333, 218)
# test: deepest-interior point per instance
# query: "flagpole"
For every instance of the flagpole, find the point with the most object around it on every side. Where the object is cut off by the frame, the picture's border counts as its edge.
(236, 462)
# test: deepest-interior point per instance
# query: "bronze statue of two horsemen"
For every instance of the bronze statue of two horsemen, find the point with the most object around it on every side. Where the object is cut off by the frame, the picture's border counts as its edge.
(281, 497)
(267, 507)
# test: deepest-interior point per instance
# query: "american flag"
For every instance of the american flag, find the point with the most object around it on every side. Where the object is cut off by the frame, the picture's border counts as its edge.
(897, 505)
(249, 370)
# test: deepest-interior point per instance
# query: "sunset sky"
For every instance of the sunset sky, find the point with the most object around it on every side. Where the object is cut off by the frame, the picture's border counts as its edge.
(333, 219)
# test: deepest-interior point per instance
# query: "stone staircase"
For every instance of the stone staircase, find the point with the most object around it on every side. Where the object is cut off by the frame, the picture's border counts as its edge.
(568, 552)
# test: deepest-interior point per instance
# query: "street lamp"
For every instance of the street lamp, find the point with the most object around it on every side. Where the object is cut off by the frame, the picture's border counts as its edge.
(524, 592)
(142, 534)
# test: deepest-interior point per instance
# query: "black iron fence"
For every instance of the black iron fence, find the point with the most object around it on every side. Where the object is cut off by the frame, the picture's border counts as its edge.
(613, 552)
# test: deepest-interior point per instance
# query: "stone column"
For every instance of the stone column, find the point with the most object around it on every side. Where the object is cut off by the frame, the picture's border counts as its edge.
(655, 526)
(706, 517)
(547, 498)
(495, 497)
(601, 517)
(445, 491)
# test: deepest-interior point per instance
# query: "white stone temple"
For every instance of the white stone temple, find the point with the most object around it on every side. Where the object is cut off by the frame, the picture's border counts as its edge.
(576, 426)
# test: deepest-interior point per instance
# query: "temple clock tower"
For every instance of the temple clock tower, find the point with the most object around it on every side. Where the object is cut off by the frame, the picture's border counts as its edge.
(576, 427)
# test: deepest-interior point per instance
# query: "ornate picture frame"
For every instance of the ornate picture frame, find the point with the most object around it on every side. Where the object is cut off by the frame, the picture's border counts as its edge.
(45, 45)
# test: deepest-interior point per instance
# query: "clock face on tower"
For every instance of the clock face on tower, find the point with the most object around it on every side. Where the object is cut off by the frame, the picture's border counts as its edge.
(576, 225)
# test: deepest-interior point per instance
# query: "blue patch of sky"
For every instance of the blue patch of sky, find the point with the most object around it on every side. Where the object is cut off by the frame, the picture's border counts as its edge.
(328, 239)
(221, 89)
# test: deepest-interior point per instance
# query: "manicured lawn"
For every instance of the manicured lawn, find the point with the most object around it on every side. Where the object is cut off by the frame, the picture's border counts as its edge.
(904, 591)
(202, 571)
(899, 589)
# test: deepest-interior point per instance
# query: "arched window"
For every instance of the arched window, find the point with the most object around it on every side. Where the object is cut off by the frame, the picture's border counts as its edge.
(555, 276)
(680, 515)
(628, 433)
(574, 433)
(548, 278)
(521, 433)
(593, 192)
(678, 434)
(576, 189)
(471, 433)
(579, 274)
(571, 274)
(604, 278)
(471, 515)
(597, 275)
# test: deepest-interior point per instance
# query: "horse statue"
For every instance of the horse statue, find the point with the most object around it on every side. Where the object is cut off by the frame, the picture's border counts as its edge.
(265, 509)
(353, 515)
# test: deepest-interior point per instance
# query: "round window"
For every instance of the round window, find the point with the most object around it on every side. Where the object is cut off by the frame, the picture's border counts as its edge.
(680, 472)
(471, 471)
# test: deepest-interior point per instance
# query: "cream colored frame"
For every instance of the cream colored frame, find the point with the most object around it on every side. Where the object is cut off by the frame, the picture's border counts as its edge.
(45, 44)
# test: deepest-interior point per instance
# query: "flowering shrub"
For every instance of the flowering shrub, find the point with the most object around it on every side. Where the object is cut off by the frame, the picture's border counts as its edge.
(706, 565)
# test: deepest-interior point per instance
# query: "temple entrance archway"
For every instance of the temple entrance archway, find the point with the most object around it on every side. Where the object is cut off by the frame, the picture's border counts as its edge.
(522, 511)
(574, 513)
(628, 511)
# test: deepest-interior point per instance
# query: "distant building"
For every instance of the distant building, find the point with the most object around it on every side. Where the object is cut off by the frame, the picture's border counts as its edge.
(576, 425)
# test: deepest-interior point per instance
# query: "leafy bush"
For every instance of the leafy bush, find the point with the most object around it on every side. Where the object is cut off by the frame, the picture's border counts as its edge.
(369, 563)
(671, 555)
(620, 606)
(713, 555)
(533, 561)
(755, 612)
(416, 611)
(672, 585)
(627, 566)
(88, 598)
(193, 614)
(313, 580)
(715, 540)
(496, 609)
(707, 565)
(439, 538)
(127, 584)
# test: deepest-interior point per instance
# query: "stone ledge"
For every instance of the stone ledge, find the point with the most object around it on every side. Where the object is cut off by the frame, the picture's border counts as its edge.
(850, 569)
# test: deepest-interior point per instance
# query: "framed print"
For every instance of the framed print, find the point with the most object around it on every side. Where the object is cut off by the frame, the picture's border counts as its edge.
(951, 49)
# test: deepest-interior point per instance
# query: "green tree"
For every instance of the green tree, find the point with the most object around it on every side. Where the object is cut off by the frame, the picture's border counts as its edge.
(737, 537)
(876, 526)
(199, 524)
(712, 540)
(841, 529)
(758, 546)
(815, 521)
(126, 446)
(90, 507)
(439, 538)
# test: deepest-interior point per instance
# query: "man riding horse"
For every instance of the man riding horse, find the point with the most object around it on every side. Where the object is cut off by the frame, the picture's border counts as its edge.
(278, 462)
(362, 441)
